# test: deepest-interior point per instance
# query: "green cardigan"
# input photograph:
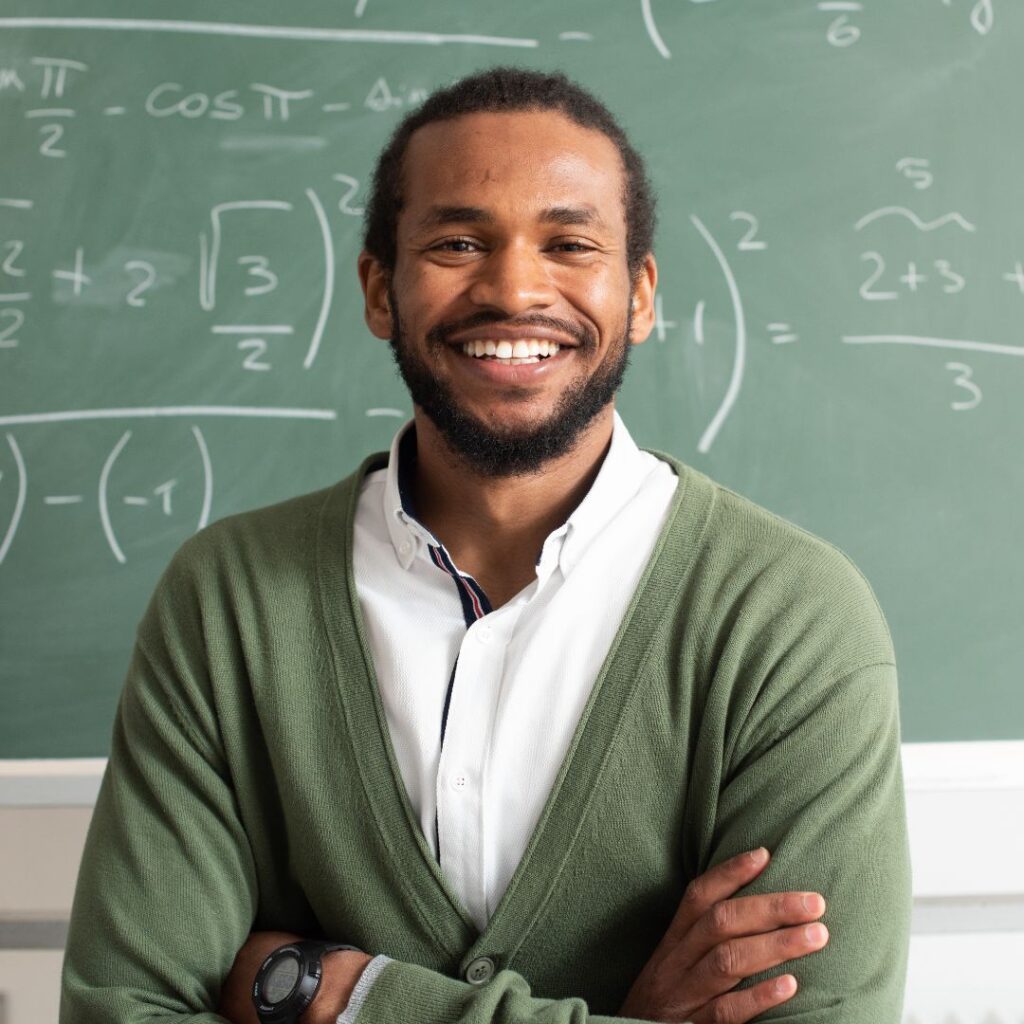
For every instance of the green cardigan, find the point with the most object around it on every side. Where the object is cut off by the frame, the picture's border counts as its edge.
(749, 698)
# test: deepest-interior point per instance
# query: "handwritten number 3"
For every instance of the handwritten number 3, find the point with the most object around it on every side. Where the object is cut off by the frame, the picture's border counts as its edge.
(964, 381)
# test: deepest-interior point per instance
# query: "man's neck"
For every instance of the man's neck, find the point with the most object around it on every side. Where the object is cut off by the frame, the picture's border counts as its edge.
(494, 527)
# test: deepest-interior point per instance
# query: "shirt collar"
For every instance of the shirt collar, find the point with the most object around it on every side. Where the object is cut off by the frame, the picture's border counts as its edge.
(621, 474)
(408, 535)
(617, 481)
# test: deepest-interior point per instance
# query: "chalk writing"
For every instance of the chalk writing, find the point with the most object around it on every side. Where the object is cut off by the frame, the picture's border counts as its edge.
(652, 30)
(661, 325)
(963, 380)
(15, 320)
(842, 30)
(954, 218)
(916, 171)
(740, 353)
(19, 501)
(782, 334)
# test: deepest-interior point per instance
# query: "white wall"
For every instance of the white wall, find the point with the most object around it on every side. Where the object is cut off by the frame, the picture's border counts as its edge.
(39, 852)
(965, 811)
(965, 807)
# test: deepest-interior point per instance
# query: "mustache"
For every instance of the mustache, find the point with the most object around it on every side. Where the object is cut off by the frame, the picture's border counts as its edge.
(441, 334)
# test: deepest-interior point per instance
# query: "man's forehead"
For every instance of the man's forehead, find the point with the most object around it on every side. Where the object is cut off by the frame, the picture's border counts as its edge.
(541, 158)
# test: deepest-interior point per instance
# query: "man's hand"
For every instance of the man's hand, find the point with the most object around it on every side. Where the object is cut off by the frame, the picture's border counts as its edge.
(341, 971)
(715, 942)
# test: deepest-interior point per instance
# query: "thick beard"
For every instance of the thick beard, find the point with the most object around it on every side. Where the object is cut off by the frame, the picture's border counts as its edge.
(491, 452)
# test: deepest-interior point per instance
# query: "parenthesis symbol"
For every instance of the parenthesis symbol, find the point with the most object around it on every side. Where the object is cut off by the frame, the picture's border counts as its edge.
(204, 454)
(325, 305)
(19, 504)
(104, 509)
(652, 30)
(736, 380)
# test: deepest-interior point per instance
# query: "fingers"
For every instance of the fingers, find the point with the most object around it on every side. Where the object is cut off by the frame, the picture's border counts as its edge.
(717, 940)
(716, 884)
(751, 915)
(740, 1007)
(725, 966)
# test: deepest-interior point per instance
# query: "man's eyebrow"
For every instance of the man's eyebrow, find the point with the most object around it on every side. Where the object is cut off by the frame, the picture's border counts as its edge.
(567, 216)
(571, 215)
(439, 216)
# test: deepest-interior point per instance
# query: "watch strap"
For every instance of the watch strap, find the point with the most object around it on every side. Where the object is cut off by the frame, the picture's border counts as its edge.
(323, 946)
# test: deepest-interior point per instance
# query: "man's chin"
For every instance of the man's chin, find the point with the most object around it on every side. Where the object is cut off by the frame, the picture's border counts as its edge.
(507, 449)
(512, 423)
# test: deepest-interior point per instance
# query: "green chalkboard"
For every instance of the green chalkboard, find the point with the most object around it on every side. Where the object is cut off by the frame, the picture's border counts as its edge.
(841, 247)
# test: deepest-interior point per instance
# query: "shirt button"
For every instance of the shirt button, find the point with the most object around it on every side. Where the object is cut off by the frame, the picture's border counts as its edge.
(458, 783)
(485, 634)
(480, 970)
(404, 548)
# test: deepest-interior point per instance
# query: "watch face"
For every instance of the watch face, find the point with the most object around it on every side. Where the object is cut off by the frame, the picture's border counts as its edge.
(279, 982)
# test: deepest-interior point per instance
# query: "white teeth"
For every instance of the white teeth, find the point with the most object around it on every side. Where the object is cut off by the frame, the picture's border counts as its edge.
(524, 350)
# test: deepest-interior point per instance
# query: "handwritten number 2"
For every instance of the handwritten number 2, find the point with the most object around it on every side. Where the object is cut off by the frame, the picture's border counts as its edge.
(17, 318)
(866, 289)
(351, 189)
(148, 278)
(8, 267)
(749, 242)
(256, 348)
(55, 133)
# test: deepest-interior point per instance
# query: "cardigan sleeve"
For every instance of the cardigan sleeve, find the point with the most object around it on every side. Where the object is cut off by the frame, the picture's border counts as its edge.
(821, 786)
(404, 992)
(167, 888)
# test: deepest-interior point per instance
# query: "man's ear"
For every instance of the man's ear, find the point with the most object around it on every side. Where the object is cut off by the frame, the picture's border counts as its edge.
(375, 279)
(644, 285)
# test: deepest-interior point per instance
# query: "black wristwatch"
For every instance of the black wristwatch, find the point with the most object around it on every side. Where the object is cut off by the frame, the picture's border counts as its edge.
(289, 978)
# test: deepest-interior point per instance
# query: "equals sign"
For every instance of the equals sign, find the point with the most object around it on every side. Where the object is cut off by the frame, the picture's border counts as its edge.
(782, 334)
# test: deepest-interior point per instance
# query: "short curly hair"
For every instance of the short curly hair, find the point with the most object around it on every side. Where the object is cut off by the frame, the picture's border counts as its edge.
(508, 89)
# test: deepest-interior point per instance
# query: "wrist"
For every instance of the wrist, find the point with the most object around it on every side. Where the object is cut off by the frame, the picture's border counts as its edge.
(341, 971)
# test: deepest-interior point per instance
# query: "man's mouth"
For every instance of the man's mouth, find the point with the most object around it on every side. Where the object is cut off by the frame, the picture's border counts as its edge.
(509, 352)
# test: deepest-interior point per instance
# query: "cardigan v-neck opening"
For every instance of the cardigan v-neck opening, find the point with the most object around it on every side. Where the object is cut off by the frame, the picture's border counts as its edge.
(549, 846)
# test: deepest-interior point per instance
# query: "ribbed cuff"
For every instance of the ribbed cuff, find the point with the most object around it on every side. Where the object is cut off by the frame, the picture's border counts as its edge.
(363, 985)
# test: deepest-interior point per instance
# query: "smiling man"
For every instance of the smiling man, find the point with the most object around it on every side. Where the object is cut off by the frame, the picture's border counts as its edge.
(518, 723)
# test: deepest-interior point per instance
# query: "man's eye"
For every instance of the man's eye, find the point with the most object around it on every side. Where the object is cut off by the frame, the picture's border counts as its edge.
(572, 247)
(456, 245)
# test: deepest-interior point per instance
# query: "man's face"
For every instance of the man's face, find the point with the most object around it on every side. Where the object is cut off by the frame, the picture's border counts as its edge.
(509, 309)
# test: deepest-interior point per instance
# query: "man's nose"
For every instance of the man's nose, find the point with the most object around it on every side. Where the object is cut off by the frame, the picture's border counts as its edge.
(512, 279)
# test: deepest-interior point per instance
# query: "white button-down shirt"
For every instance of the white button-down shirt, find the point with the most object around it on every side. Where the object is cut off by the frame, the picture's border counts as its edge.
(482, 704)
